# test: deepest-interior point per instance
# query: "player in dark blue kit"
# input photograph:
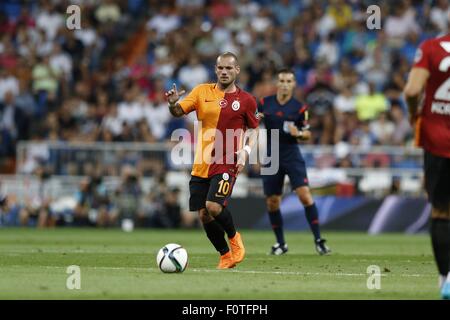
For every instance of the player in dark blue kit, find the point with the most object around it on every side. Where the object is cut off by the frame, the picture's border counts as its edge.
(284, 113)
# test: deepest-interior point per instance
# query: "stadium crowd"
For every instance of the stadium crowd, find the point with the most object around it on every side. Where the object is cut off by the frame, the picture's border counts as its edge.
(106, 81)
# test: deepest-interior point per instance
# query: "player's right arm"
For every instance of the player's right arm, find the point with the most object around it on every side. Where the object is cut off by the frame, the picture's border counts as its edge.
(417, 80)
(172, 97)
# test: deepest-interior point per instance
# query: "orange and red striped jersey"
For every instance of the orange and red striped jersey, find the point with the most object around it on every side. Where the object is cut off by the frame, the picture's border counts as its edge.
(223, 119)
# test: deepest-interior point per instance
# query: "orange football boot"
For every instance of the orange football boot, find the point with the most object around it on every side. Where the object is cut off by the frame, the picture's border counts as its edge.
(226, 261)
(237, 248)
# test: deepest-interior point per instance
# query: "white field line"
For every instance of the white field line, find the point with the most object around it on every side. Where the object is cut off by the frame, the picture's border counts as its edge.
(15, 253)
(338, 274)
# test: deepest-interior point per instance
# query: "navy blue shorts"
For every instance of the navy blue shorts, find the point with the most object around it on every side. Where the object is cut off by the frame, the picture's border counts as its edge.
(296, 171)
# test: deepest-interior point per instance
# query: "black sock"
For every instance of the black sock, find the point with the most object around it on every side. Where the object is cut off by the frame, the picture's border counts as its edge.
(226, 222)
(215, 234)
(313, 219)
(440, 239)
(276, 220)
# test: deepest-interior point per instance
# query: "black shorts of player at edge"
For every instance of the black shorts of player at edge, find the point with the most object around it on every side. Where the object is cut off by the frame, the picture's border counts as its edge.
(437, 180)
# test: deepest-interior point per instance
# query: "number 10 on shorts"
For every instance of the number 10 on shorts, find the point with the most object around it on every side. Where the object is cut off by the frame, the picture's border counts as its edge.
(224, 187)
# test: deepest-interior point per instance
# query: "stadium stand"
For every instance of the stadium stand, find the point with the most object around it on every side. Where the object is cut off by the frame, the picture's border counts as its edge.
(79, 103)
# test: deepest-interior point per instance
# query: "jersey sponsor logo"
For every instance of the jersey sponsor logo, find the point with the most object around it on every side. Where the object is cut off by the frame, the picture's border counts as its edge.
(235, 105)
(223, 103)
(418, 55)
(225, 176)
(441, 108)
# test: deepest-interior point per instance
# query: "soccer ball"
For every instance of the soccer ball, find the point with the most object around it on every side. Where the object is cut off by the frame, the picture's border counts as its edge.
(172, 258)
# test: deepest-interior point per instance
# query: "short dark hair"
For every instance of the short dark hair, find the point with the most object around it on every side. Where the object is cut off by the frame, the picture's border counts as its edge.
(228, 54)
(286, 70)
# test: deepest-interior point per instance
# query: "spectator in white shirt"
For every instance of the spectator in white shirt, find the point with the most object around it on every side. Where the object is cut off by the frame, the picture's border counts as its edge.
(193, 73)
(49, 20)
(87, 34)
(401, 22)
(130, 110)
(328, 50)
(8, 83)
(157, 115)
(382, 129)
(262, 21)
(111, 121)
(61, 62)
(345, 101)
(164, 21)
(108, 11)
(439, 15)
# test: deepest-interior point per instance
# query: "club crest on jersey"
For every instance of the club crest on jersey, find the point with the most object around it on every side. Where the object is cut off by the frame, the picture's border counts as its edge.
(235, 105)
(225, 176)
(223, 103)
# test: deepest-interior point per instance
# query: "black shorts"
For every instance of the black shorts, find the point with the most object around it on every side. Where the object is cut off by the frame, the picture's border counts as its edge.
(217, 189)
(437, 180)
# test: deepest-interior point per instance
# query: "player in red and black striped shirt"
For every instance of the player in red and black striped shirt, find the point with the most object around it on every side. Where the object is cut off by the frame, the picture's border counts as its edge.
(431, 73)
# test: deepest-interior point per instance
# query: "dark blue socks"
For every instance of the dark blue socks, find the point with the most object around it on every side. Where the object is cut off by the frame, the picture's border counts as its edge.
(313, 219)
(276, 221)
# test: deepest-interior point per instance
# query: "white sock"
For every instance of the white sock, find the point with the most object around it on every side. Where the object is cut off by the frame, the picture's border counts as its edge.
(442, 280)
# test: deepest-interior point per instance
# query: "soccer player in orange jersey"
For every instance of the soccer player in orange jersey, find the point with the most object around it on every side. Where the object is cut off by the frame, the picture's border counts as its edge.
(431, 74)
(225, 112)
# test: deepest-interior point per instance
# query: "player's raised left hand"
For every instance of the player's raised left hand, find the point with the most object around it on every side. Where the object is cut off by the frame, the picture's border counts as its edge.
(173, 94)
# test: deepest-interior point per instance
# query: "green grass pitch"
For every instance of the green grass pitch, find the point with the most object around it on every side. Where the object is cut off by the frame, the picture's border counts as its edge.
(118, 265)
